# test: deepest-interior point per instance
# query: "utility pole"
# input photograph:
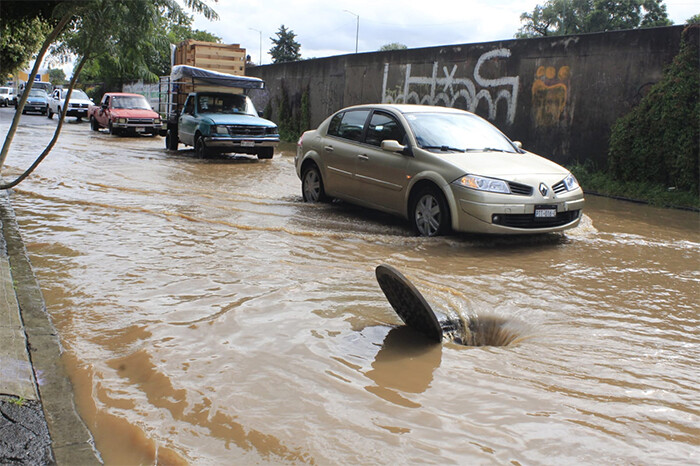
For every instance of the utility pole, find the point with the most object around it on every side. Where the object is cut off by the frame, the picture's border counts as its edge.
(260, 32)
(357, 31)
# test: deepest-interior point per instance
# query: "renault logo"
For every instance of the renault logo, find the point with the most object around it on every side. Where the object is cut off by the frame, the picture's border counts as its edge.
(543, 189)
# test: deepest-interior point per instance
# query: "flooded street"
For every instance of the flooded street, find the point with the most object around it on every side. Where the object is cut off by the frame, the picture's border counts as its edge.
(210, 316)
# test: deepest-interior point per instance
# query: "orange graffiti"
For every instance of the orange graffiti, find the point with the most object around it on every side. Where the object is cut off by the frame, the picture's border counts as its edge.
(550, 93)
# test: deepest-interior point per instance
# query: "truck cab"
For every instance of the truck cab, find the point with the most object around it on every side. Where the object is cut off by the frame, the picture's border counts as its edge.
(219, 122)
(121, 112)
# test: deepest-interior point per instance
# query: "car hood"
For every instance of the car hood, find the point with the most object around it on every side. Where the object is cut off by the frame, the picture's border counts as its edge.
(236, 119)
(134, 113)
(503, 165)
(80, 101)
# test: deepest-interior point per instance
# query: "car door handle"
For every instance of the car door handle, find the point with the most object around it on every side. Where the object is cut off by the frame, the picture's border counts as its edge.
(362, 157)
(328, 148)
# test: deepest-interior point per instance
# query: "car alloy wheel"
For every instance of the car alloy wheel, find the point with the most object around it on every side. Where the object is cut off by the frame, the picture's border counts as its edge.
(312, 185)
(430, 214)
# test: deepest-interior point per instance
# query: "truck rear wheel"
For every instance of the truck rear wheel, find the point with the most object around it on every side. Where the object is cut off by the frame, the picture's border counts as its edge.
(93, 124)
(171, 142)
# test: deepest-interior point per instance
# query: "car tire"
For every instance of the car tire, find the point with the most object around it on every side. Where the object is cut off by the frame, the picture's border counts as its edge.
(50, 114)
(171, 142)
(93, 124)
(429, 212)
(266, 152)
(112, 129)
(200, 147)
(312, 184)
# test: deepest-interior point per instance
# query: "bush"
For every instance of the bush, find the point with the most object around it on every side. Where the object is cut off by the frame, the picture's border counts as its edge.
(658, 141)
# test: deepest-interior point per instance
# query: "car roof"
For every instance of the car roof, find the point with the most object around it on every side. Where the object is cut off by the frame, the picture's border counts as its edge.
(408, 108)
(123, 94)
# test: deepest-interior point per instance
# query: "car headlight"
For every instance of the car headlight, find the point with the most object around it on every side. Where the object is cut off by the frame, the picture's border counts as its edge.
(220, 129)
(121, 120)
(571, 182)
(271, 130)
(481, 183)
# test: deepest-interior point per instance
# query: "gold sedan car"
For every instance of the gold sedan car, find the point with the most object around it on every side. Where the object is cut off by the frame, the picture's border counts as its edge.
(443, 169)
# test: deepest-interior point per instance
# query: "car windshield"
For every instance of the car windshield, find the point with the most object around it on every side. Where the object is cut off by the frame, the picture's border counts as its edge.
(77, 94)
(459, 132)
(226, 103)
(37, 93)
(130, 101)
(4, 90)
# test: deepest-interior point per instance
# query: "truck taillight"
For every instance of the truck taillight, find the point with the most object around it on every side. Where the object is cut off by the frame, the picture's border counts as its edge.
(301, 139)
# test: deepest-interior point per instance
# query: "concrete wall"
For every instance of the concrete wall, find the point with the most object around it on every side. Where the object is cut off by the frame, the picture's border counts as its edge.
(558, 95)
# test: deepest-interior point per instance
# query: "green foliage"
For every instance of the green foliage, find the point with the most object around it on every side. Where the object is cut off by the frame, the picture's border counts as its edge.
(305, 112)
(658, 141)
(695, 19)
(286, 49)
(392, 46)
(57, 76)
(20, 39)
(562, 17)
(602, 183)
(292, 119)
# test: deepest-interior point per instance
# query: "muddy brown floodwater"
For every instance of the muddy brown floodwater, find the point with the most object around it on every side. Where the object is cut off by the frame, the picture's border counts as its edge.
(209, 316)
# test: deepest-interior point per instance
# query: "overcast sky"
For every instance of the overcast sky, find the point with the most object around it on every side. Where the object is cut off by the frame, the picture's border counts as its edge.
(326, 28)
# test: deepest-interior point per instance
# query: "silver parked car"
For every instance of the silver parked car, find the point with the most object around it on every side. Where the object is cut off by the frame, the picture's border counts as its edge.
(443, 169)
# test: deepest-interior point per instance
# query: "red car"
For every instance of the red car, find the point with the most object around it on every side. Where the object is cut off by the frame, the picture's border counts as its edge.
(124, 113)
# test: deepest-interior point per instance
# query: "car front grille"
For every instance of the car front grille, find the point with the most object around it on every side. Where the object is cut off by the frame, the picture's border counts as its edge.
(77, 105)
(246, 130)
(521, 189)
(529, 220)
(140, 121)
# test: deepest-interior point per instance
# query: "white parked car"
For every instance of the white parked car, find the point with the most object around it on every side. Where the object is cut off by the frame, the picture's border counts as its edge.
(6, 96)
(77, 105)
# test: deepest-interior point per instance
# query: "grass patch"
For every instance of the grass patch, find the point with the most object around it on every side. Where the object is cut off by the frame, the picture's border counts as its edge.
(598, 182)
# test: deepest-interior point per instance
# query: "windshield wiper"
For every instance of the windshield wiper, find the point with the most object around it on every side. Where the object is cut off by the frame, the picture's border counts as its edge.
(489, 149)
(444, 148)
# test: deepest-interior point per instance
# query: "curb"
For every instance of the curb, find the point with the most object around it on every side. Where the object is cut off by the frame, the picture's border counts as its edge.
(70, 440)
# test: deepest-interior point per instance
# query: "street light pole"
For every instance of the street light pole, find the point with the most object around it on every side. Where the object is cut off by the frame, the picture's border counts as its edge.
(357, 31)
(259, 31)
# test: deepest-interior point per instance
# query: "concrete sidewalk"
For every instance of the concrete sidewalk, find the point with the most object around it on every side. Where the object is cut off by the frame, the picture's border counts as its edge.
(39, 423)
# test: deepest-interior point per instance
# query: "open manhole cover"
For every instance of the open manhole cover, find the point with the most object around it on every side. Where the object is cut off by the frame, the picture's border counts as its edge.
(408, 303)
(414, 310)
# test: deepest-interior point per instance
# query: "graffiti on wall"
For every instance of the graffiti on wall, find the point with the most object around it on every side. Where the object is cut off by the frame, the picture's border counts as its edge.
(444, 87)
(550, 95)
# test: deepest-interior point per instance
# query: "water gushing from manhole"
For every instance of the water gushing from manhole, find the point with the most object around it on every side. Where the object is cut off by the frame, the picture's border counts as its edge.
(414, 310)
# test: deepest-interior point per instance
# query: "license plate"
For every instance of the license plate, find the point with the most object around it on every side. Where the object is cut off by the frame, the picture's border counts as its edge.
(545, 212)
(247, 144)
(140, 130)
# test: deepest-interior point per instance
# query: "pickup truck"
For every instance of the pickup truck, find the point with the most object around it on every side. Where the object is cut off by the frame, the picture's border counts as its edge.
(212, 112)
(223, 122)
(77, 105)
(121, 112)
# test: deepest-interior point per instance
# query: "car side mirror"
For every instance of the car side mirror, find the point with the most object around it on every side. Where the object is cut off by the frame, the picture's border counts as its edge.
(104, 106)
(518, 144)
(392, 145)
